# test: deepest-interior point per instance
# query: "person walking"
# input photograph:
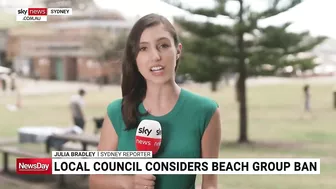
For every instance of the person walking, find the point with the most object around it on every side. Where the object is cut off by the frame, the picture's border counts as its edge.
(76, 107)
(307, 102)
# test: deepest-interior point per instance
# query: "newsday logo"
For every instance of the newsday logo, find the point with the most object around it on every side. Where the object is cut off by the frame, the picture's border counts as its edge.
(33, 165)
(40, 14)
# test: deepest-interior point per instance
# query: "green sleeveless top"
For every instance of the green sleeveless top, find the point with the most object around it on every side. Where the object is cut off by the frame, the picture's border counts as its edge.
(182, 130)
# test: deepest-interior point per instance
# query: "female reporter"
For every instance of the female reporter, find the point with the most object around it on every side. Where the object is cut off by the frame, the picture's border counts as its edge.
(190, 123)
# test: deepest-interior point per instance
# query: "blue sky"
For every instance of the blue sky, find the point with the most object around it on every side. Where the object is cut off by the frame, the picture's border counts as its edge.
(317, 16)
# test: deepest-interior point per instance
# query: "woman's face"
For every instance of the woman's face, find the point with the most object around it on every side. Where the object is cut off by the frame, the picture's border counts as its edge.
(157, 55)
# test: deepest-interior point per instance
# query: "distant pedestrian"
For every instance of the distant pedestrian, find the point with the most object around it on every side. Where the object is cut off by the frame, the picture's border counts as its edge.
(13, 81)
(77, 108)
(4, 82)
(307, 111)
(307, 98)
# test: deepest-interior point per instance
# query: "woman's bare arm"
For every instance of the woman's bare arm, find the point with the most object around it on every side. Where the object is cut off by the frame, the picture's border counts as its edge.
(210, 148)
(108, 142)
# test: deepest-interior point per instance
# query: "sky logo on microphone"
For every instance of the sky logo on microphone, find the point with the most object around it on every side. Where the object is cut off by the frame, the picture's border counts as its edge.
(145, 131)
(158, 132)
(148, 136)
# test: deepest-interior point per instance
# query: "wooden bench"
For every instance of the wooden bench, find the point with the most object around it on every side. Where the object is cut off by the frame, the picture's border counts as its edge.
(72, 146)
(8, 141)
(85, 140)
(16, 151)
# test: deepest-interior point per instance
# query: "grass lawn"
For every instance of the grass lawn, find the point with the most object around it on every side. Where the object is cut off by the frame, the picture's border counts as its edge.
(275, 127)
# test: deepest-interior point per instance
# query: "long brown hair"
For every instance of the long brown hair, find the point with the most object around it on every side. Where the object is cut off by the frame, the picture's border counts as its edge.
(133, 84)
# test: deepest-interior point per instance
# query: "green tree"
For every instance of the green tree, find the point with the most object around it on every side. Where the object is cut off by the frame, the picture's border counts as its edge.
(202, 59)
(280, 48)
(245, 51)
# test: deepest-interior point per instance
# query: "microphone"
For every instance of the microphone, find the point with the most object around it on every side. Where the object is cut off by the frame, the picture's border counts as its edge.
(148, 136)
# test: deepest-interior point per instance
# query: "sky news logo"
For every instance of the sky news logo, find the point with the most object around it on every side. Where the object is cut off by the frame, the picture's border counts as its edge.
(33, 166)
(32, 12)
(40, 14)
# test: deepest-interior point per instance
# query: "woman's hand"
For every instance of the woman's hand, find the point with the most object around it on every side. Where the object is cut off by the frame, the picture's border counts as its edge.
(144, 182)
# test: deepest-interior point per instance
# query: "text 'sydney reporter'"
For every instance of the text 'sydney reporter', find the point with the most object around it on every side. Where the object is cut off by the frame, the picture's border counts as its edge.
(190, 123)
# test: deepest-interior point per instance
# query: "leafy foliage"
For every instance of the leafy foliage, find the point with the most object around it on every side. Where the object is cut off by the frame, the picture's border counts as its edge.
(267, 50)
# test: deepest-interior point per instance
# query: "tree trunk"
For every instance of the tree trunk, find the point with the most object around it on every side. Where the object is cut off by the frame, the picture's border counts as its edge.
(214, 86)
(241, 82)
(237, 91)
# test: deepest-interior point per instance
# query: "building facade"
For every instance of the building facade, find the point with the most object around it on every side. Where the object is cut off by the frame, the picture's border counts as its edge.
(59, 49)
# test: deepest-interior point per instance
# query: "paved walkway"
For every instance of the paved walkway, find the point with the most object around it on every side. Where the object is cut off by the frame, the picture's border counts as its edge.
(31, 87)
